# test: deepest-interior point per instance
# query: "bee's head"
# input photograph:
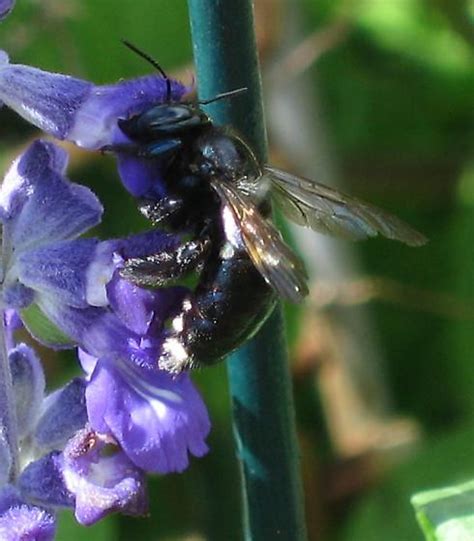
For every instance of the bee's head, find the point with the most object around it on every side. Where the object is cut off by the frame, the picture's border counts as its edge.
(165, 119)
(171, 118)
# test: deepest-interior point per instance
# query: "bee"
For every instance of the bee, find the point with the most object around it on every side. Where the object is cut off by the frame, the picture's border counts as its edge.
(219, 197)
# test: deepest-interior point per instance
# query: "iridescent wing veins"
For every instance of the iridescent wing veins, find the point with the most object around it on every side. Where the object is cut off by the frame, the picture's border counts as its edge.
(325, 210)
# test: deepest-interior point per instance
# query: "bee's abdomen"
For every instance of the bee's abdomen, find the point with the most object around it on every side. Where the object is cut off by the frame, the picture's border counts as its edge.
(228, 307)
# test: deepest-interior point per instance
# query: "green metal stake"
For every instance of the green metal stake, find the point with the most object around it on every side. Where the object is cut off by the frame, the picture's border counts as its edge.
(226, 59)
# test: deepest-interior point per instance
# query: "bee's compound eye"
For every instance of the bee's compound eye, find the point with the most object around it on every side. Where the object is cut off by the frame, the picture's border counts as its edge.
(170, 114)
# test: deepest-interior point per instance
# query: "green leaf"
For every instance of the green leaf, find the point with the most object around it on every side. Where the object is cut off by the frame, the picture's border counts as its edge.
(42, 328)
(446, 514)
(387, 507)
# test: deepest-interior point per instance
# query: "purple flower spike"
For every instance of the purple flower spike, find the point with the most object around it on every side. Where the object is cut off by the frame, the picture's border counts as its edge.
(5, 7)
(101, 484)
(74, 109)
(156, 419)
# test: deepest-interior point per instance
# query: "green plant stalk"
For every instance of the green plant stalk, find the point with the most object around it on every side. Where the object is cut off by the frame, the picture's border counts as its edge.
(226, 59)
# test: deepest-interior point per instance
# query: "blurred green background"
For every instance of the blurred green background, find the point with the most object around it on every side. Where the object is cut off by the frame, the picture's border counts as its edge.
(392, 82)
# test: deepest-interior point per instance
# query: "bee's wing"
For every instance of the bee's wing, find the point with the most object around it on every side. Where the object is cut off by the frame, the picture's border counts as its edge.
(323, 209)
(278, 264)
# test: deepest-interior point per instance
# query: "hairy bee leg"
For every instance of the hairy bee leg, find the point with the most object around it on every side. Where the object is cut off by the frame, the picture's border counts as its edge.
(158, 212)
(175, 356)
(157, 270)
(172, 361)
(134, 149)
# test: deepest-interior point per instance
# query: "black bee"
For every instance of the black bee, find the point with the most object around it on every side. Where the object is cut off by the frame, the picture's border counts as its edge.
(219, 196)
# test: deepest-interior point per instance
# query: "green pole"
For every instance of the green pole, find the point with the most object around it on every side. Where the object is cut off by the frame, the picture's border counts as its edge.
(226, 59)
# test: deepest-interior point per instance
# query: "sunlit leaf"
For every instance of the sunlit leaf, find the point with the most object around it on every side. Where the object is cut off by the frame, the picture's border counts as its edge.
(446, 514)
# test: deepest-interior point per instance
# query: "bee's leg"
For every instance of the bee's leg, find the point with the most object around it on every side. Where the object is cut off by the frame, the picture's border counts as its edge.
(158, 270)
(156, 149)
(159, 211)
(133, 149)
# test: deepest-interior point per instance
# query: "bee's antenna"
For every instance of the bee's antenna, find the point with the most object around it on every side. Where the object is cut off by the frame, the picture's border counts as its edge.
(224, 95)
(153, 62)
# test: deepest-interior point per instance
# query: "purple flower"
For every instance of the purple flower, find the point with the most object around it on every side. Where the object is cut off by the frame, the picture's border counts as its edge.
(35, 192)
(64, 463)
(76, 110)
(89, 444)
(22, 521)
(91, 475)
(43, 262)
(44, 422)
(21, 516)
(101, 483)
(29, 385)
(38, 208)
(158, 420)
(56, 280)
(5, 7)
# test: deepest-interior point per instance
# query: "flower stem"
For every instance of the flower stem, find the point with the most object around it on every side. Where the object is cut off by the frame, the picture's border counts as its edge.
(8, 420)
(226, 59)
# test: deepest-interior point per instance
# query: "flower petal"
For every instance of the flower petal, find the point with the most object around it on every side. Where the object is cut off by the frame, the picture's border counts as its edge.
(141, 177)
(12, 323)
(5, 458)
(36, 192)
(5, 7)
(65, 413)
(96, 330)
(101, 484)
(46, 100)
(20, 521)
(156, 419)
(100, 272)
(65, 288)
(95, 124)
(142, 310)
(60, 269)
(73, 109)
(87, 361)
(28, 386)
(15, 295)
(42, 482)
(9, 497)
